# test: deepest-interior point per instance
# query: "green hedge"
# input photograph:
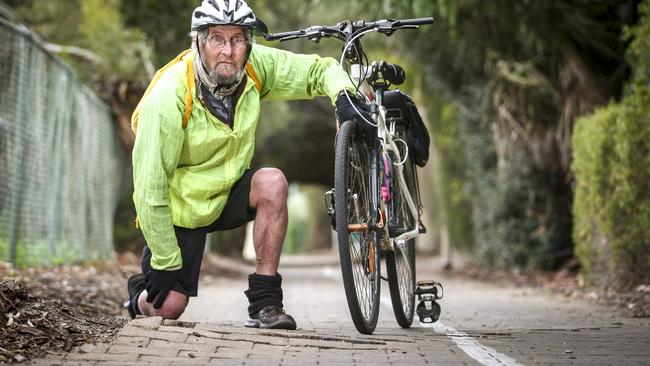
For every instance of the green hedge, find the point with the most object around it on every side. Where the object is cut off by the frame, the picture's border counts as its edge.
(612, 171)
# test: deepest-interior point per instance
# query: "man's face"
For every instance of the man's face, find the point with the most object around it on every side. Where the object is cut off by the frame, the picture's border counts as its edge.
(224, 53)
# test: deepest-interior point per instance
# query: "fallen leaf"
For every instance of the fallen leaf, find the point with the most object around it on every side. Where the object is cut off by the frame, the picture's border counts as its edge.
(19, 358)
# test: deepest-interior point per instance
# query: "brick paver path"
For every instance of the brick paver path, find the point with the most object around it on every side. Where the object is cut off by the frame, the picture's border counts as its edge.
(157, 342)
(481, 324)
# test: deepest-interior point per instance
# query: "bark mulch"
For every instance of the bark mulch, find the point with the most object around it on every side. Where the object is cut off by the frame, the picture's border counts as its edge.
(52, 310)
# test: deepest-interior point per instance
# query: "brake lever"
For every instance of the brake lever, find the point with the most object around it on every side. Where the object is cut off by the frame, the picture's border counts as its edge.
(389, 30)
(408, 27)
(315, 34)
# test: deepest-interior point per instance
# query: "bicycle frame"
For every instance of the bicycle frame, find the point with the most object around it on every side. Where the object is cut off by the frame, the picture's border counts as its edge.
(351, 33)
(385, 136)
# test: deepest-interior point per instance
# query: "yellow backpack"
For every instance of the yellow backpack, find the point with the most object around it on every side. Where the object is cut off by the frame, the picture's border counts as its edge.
(188, 58)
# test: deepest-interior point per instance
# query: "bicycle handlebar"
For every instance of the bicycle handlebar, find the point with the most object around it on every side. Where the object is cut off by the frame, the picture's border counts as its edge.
(317, 31)
(344, 30)
(276, 36)
(416, 21)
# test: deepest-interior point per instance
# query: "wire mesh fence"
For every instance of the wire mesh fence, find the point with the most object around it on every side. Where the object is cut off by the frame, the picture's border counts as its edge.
(60, 159)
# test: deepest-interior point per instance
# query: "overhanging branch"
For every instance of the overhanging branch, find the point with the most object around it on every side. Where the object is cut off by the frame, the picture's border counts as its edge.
(73, 50)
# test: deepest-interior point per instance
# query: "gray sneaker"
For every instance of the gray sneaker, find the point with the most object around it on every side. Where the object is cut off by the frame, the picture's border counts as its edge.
(271, 317)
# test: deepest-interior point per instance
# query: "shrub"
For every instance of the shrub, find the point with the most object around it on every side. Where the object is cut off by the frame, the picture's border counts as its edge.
(612, 171)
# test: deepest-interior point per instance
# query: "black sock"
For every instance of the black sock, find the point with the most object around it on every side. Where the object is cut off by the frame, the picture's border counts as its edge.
(263, 291)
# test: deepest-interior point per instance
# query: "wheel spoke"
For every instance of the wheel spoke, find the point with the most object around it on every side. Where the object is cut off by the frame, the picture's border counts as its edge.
(401, 262)
(405, 276)
(356, 240)
(358, 237)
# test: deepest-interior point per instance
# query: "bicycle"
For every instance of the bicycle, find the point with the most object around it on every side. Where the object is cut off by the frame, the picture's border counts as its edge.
(375, 178)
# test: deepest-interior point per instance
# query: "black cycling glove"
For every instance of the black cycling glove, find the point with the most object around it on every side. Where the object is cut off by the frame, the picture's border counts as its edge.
(159, 283)
(345, 111)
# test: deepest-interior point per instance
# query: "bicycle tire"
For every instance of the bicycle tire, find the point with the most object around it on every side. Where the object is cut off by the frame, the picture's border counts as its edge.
(358, 250)
(400, 263)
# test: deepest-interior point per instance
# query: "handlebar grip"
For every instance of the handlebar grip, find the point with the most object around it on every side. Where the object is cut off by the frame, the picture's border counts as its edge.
(393, 73)
(416, 21)
(276, 36)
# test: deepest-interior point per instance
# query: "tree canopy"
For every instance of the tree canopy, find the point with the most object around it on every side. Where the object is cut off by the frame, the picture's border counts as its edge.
(501, 84)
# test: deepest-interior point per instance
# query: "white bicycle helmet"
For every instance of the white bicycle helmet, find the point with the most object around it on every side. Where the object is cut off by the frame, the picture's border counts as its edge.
(226, 12)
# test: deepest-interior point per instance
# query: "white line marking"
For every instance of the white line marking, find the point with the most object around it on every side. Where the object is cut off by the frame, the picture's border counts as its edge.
(484, 355)
(330, 272)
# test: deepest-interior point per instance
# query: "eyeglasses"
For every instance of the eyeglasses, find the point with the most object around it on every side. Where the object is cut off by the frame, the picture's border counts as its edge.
(217, 41)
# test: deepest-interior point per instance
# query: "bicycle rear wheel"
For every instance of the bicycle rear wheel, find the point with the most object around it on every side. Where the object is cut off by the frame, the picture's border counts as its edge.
(358, 247)
(400, 263)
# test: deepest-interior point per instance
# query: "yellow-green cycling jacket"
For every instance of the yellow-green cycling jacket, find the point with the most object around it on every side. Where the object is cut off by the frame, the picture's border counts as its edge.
(182, 176)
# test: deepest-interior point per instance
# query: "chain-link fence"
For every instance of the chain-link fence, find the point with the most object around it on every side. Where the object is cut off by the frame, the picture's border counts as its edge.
(60, 159)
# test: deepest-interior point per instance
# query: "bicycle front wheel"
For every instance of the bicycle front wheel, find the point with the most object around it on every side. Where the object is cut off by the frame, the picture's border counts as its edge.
(400, 263)
(358, 247)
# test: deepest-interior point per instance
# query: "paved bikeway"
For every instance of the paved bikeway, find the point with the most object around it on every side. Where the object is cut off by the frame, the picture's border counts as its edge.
(481, 324)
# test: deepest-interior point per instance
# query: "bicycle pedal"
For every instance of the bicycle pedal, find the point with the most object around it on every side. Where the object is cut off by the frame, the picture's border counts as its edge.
(428, 292)
(330, 206)
(428, 310)
(329, 201)
(429, 287)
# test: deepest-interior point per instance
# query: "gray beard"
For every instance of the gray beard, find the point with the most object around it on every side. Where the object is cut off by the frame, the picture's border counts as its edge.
(219, 85)
(224, 80)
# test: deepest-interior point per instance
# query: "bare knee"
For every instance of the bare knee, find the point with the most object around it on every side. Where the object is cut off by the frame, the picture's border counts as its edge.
(173, 307)
(268, 186)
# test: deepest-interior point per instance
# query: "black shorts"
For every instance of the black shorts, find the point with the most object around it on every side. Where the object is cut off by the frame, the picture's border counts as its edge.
(236, 212)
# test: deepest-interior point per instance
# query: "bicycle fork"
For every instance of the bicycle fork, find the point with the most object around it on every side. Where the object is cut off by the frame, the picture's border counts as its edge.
(330, 206)
(376, 217)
